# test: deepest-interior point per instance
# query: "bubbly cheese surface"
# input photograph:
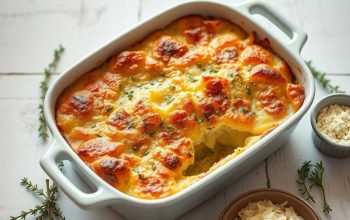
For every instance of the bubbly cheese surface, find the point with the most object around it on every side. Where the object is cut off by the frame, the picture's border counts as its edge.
(164, 113)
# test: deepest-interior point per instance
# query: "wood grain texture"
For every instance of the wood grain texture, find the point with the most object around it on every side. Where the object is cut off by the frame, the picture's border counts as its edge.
(30, 31)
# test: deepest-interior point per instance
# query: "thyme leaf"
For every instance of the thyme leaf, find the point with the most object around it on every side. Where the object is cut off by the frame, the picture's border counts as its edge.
(48, 208)
(321, 77)
(48, 71)
(312, 173)
(303, 174)
(316, 179)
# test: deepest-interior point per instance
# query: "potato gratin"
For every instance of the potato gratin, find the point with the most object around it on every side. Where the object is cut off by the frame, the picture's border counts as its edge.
(161, 115)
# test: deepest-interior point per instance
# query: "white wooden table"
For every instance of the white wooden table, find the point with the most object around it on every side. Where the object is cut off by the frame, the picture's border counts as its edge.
(31, 29)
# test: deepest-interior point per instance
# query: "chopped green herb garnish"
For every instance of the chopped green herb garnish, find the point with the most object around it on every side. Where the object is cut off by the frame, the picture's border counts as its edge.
(244, 110)
(168, 99)
(146, 152)
(199, 120)
(142, 177)
(199, 66)
(92, 124)
(172, 87)
(136, 170)
(212, 70)
(130, 94)
(129, 123)
(153, 166)
(170, 127)
(99, 135)
(247, 90)
(108, 109)
(191, 78)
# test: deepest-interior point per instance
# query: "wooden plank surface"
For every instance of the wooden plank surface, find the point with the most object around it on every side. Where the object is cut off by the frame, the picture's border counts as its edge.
(29, 32)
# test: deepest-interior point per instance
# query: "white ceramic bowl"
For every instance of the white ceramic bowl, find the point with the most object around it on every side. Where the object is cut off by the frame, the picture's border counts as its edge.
(177, 204)
(324, 144)
(276, 196)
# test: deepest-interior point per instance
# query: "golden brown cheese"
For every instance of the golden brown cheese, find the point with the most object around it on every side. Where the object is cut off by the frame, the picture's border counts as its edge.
(167, 111)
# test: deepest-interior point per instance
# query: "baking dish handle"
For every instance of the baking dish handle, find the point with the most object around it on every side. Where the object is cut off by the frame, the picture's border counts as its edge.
(102, 196)
(296, 34)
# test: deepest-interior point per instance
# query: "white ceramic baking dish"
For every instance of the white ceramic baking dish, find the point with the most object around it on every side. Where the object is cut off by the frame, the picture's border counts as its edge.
(179, 203)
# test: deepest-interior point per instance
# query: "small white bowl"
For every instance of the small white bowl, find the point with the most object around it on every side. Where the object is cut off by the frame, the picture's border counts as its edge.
(322, 143)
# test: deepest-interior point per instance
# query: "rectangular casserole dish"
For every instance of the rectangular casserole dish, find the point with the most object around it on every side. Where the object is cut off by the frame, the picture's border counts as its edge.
(177, 204)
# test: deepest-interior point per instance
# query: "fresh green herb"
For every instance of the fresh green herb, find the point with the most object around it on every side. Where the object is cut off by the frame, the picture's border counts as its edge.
(136, 170)
(247, 90)
(168, 99)
(138, 85)
(142, 177)
(321, 77)
(108, 109)
(146, 152)
(172, 87)
(48, 208)
(129, 123)
(99, 135)
(198, 119)
(130, 94)
(303, 174)
(92, 124)
(316, 179)
(314, 174)
(154, 167)
(170, 127)
(212, 70)
(49, 70)
(192, 79)
(244, 110)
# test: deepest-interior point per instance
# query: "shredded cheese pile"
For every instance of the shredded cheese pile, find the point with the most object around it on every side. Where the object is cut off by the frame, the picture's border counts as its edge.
(266, 210)
(334, 122)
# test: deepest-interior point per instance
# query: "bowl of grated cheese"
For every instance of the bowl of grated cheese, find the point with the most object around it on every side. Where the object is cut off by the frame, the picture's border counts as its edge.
(330, 120)
(268, 204)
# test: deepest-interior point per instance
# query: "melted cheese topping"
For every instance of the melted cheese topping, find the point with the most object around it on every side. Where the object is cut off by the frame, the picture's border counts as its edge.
(167, 111)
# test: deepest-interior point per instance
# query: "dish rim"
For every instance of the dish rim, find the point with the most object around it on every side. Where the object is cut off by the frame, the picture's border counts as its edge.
(222, 170)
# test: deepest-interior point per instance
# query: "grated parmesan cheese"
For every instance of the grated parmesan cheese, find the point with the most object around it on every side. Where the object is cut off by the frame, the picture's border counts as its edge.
(266, 210)
(334, 122)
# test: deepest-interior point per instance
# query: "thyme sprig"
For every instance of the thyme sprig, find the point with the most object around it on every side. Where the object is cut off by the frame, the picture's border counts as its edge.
(48, 208)
(48, 71)
(312, 173)
(321, 77)
(303, 174)
(316, 179)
